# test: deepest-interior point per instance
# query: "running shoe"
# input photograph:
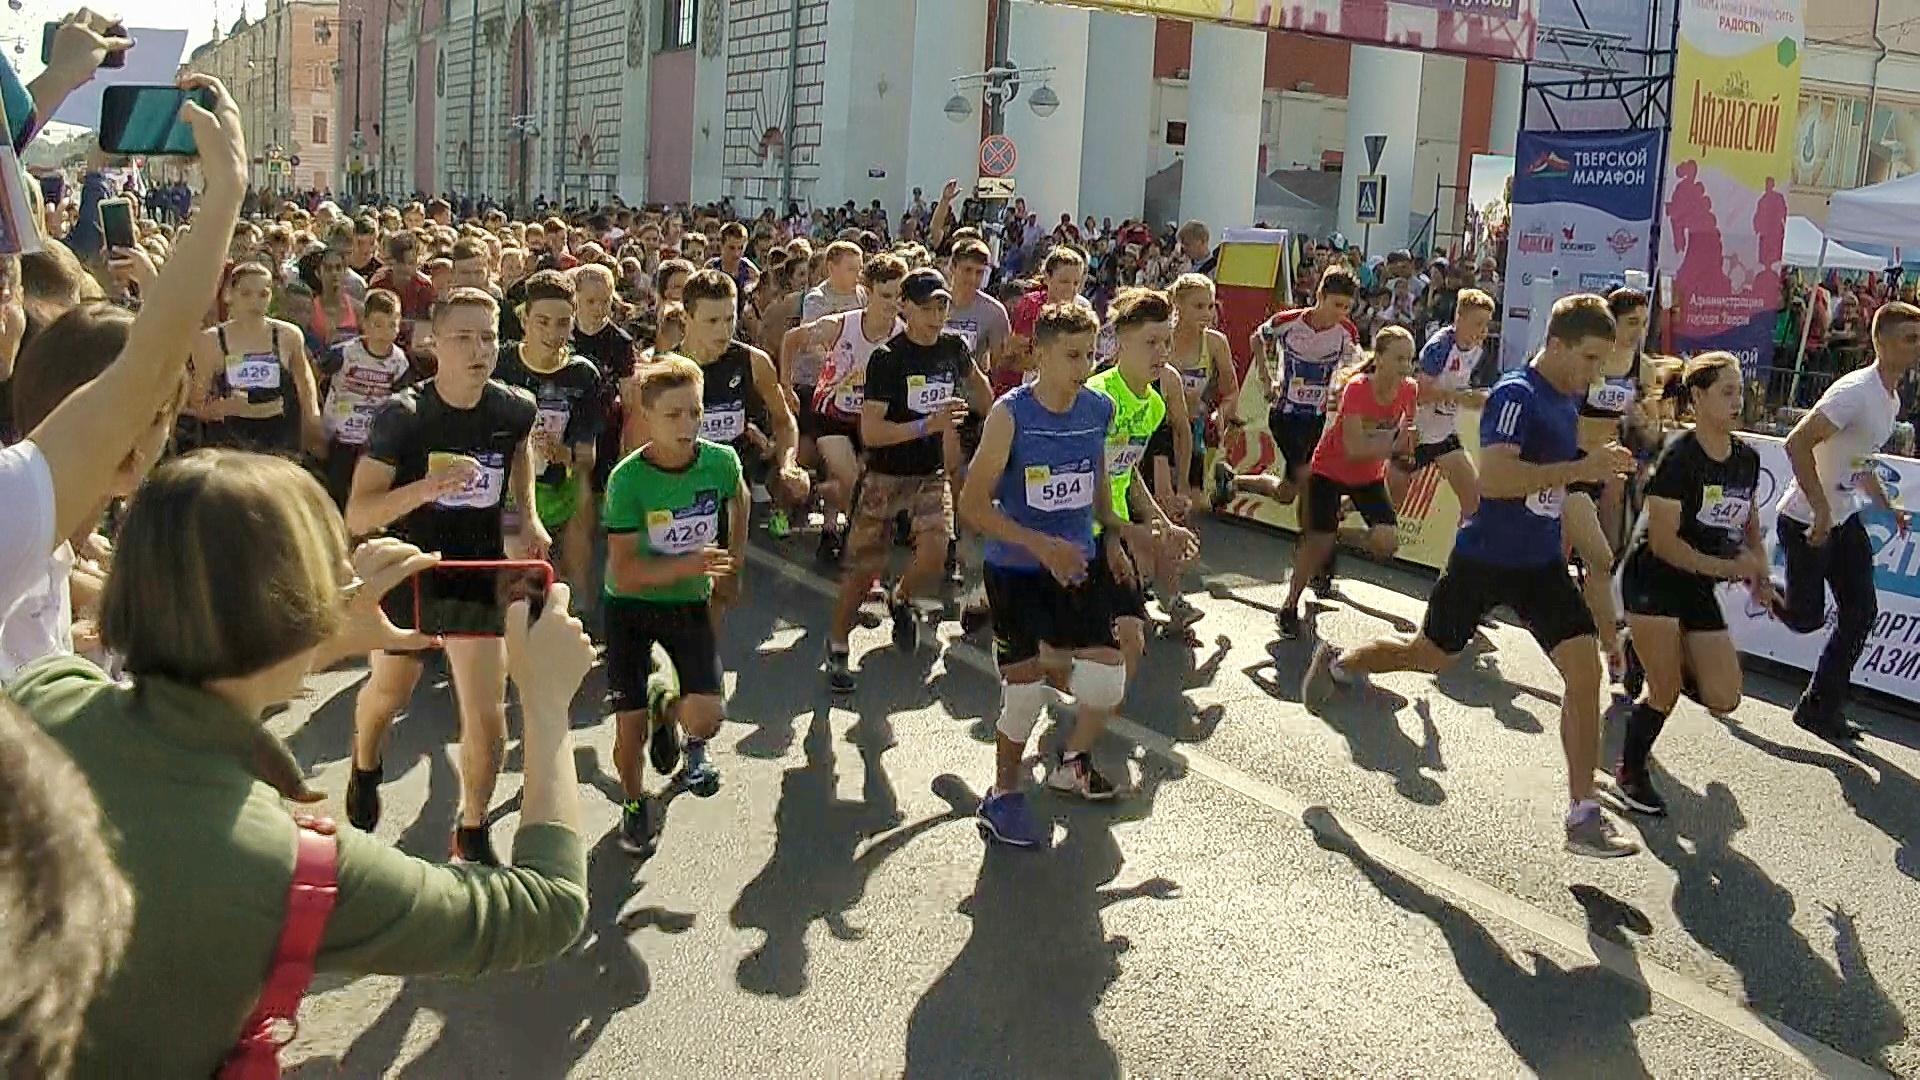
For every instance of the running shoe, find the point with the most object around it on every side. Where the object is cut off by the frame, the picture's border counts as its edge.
(1318, 685)
(475, 846)
(829, 550)
(839, 671)
(1833, 729)
(363, 798)
(1594, 835)
(1222, 483)
(663, 738)
(1289, 623)
(701, 778)
(1074, 774)
(1637, 793)
(906, 626)
(1004, 817)
(636, 837)
(1323, 587)
(779, 526)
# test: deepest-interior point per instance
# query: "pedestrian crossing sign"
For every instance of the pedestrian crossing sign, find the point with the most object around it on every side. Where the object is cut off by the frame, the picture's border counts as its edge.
(1370, 208)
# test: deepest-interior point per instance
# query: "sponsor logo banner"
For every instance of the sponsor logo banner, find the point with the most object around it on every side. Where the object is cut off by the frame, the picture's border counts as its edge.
(1498, 29)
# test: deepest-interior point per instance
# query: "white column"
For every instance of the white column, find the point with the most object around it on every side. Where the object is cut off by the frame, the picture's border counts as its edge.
(1382, 99)
(709, 117)
(1509, 83)
(949, 40)
(1048, 172)
(1118, 145)
(1222, 159)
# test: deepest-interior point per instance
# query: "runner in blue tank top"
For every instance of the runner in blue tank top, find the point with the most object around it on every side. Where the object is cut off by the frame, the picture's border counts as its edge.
(1510, 553)
(1035, 489)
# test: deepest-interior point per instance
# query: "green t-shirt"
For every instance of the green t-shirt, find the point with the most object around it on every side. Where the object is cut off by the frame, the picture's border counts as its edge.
(1135, 419)
(676, 512)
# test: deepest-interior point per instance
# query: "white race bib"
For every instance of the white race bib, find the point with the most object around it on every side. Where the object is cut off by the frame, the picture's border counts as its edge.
(1052, 490)
(1301, 392)
(1547, 503)
(482, 491)
(925, 396)
(1123, 457)
(1194, 381)
(849, 399)
(551, 422)
(255, 371)
(1856, 468)
(352, 421)
(725, 424)
(1610, 397)
(1718, 511)
(684, 531)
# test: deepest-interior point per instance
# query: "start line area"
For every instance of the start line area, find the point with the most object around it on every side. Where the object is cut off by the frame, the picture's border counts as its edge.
(1379, 891)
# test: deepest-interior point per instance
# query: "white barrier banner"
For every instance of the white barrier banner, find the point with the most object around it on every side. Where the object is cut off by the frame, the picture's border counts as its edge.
(1891, 660)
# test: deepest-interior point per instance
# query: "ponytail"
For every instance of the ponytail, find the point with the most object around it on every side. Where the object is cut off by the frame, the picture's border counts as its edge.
(1699, 374)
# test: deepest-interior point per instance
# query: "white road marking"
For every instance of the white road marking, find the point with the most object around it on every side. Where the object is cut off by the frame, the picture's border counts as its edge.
(1696, 997)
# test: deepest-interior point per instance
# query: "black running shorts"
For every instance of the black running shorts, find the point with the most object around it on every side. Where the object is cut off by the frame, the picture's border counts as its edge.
(1030, 609)
(1652, 587)
(684, 630)
(1323, 503)
(1544, 598)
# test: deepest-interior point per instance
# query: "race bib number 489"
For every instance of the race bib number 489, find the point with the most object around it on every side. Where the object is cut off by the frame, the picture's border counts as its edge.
(1053, 489)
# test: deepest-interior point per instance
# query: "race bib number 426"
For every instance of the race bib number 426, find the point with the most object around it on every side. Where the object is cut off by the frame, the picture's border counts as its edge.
(1054, 489)
(255, 371)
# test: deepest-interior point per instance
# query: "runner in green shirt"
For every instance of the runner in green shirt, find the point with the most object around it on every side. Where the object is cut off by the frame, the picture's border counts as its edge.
(668, 514)
(1144, 389)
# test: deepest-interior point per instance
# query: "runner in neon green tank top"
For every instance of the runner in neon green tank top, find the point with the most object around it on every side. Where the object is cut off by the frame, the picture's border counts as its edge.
(1143, 328)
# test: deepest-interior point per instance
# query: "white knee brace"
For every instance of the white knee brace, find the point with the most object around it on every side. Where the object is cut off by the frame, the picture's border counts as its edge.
(1021, 706)
(1098, 686)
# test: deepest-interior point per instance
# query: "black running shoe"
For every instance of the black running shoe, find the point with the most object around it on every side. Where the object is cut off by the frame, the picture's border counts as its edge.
(839, 672)
(663, 741)
(474, 846)
(1289, 623)
(1638, 794)
(1222, 484)
(363, 798)
(636, 837)
(906, 625)
(701, 778)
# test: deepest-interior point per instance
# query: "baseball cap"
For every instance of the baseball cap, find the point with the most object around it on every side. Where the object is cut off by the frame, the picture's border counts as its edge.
(923, 285)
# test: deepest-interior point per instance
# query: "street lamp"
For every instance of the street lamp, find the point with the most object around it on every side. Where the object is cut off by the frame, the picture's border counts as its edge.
(999, 87)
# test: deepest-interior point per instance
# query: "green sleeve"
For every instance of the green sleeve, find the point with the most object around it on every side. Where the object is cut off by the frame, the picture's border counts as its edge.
(401, 915)
(623, 509)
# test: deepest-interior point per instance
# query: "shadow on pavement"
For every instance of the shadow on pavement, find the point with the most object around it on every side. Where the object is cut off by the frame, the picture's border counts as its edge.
(1478, 683)
(1020, 997)
(528, 1024)
(1880, 794)
(817, 871)
(1562, 1022)
(1732, 908)
(1367, 718)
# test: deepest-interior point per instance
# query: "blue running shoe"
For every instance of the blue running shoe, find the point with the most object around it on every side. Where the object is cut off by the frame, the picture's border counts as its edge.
(1005, 817)
(701, 778)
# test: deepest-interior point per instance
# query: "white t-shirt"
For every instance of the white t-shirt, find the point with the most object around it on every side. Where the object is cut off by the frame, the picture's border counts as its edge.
(40, 622)
(27, 523)
(1451, 369)
(1859, 405)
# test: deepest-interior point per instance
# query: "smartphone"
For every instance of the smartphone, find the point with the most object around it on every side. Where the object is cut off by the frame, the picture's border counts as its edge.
(146, 120)
(116, 222)
(113, 60)
(469, 599)
(52, 187)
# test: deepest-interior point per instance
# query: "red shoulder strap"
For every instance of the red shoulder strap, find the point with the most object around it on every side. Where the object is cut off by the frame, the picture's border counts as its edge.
(310, 897)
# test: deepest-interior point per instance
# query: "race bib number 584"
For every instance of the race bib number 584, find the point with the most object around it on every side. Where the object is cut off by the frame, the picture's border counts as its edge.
(1056, 489)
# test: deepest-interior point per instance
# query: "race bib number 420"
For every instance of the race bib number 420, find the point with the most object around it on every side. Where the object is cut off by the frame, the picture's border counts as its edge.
(1055, 488)
(686, 530)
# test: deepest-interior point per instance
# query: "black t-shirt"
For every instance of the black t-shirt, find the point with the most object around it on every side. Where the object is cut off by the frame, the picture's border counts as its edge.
(914, 380)
(568, 398)
(1715, 497)
(416, 426)
(612, 352)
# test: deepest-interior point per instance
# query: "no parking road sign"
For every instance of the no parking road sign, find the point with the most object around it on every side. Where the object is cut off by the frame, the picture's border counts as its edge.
(998, 156)
(1370, 208)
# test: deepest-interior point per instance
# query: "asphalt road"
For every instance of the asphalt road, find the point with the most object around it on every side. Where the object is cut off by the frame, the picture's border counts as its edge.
(1377, 892)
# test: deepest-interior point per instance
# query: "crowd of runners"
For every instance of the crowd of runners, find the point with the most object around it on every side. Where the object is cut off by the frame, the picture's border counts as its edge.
(485, 390)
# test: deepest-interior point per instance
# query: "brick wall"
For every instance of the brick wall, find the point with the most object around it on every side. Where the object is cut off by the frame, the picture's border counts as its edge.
(759, 40)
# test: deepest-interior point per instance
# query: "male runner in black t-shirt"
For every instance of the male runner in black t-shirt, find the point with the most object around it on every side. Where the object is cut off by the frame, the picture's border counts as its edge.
(917, 385)
(566, 433)
(440, 458)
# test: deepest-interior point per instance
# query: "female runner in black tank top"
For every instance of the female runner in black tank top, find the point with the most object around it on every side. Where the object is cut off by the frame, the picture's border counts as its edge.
(253, 383)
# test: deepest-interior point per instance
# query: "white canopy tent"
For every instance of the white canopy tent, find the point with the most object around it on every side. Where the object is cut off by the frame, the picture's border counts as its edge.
(1808, 246)
(1883, 214)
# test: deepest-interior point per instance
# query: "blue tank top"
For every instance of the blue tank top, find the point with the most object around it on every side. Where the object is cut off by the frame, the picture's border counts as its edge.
(1053, 469)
